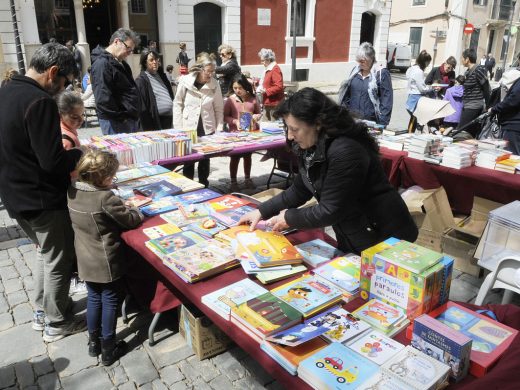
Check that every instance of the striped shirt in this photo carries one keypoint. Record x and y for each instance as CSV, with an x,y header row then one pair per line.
x,y
476,87
162,97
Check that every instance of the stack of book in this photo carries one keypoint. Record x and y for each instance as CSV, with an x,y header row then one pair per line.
x,y
457,157
394,142
271,128
389,131
344,273
423,145
510,165
382,316
487,158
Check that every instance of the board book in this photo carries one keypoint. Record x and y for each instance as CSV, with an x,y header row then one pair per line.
x,y
376,347
316,251
411,257
343,271
380,315
158,190
163,230
346,327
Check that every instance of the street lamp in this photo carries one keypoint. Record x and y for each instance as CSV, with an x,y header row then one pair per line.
x,y
18,45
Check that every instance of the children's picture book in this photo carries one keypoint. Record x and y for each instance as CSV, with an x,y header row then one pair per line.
x,y
268,248
345,327
207,227
158,190
138,200
197,196
227,202
176,217
489,338
181,181
417,369
230,234
230,217
442,343
163,230
136,173
309,329
245,120
384,381
308,294
221,301
195,211
169,244
379,314
265,314
376,347
169,203
336,367
343,272
274,276
412,257
250,267
316,251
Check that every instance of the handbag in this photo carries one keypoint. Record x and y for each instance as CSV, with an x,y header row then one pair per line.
x,y
490,128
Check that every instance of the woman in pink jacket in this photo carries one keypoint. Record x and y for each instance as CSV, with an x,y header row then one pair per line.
x,y
271,84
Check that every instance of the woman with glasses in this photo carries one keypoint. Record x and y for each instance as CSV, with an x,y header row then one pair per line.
x,y
271,85
156,93
198,104
228,69
338,164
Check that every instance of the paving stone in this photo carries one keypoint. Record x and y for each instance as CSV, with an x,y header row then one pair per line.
x,y
257,371
2,289
17,297
26,248
49,382
12,285
224,360
73,352
20,343
139,367
6,321
7,377
189,371
117,374
206,368
28,283
88,379
5,261
169,351
127,386
4,306
14,253
234,372
180,386
146,386
171,374
3,256
463,291
157,384
8,272
249,383
23,270
24,374
41,365
473,280
200,384
33,387
220,382
23,313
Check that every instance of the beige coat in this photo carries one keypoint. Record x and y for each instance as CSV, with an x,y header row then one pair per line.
x,y
98,218
190,103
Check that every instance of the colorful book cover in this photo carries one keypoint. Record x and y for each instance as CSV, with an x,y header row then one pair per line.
x,y
136,173
274,276
268,248
266,314
207,227
308,294
336,367
227,202
221,301
245,120
163,230
367,264
169,244
230,234
316,252
230,217
138,200
195,211
342,271
417,369
181,181
197,196
412,257
158,189
345,327
169,203
384,381
250,267
309,329
442,343
379,314
176,217
376,347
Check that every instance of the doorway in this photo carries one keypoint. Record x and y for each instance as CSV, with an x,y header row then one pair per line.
x,y
368,27
207,18
100,23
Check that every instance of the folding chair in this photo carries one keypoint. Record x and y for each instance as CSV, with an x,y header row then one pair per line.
x,y
285,165
506,276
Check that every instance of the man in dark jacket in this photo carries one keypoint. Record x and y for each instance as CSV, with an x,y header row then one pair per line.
x,y
35,173
490,65
117,99
508,111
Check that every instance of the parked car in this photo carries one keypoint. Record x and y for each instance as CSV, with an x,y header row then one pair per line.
x,y
398,56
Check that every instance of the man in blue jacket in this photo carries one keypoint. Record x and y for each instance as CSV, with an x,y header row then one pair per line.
x,y
508,111
117,99
34,176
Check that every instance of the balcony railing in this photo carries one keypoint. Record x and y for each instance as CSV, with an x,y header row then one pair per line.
x,y
501,9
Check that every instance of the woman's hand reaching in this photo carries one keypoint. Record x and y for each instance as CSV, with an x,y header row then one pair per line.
x,y
252,218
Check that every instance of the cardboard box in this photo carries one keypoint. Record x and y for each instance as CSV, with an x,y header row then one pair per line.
x,y
204,337
461,246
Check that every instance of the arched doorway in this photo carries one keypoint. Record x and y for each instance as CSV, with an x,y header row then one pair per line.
x,y
368,27
208,27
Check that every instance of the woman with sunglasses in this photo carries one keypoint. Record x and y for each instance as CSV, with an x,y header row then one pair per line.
x,y
229,68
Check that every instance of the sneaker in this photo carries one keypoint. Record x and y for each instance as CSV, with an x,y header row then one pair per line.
x,y
234,187
55,333
38,321
77,286
250,184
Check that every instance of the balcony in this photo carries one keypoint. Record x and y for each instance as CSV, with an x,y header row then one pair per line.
x,y
501,10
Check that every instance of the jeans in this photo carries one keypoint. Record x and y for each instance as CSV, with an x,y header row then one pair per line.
x,y
109,127
51,231
102,303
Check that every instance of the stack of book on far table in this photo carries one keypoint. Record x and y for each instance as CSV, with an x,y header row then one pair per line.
x,y
510,165
487,158
423,145
457,157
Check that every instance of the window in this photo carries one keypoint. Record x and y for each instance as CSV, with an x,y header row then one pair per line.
x,y
473,43
61,4
418,2
490,41
480,2
505,44
298,11
415,40
138,6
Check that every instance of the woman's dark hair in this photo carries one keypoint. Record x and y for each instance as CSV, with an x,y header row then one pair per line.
x,y
423,59
169,68
144,57
242,81
460,79
470,54
315,108
451,61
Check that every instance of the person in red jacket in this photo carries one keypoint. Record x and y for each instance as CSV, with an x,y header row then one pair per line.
x,y
271,84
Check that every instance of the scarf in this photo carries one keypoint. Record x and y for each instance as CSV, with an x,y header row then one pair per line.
x,y
444,75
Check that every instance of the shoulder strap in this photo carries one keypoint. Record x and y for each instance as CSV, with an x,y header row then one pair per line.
x,y
68,138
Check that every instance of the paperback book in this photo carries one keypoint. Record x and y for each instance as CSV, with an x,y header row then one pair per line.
x,y
136,173
169,203
250,267
166,245
138,200
384,381
345,328
412,257
343,271
316,252
158,190
206,227
163,230
376,347
274,276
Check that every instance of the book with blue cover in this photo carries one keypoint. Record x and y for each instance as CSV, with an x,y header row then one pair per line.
x,y
336,367
136,173
158,190
169,203
168,244
317,251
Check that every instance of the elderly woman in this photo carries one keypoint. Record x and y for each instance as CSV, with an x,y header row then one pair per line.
x,y
271,84
339,165
198,104
228,69
155,92
416,86
367,92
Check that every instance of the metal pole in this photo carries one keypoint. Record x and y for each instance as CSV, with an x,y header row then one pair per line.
x,y
293,49
19,54
511,13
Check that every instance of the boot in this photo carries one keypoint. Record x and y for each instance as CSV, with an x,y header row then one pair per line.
x,y
94,344
112,351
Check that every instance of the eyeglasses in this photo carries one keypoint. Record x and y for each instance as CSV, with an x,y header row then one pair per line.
x,y
68,81
223,54
128,48
114,180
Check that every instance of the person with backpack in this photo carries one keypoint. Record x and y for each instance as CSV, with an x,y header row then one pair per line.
x,y
367,92
182,59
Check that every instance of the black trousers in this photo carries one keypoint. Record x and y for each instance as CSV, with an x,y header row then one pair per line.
x,y
467,115
203,171
166,121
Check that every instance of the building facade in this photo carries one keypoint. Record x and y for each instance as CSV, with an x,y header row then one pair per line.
x,y
328,32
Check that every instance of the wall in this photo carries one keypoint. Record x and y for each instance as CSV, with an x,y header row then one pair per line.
x,y
332,31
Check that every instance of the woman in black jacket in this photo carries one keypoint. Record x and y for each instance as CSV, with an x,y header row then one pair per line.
x,y
229,68
156,93
339,165
508,111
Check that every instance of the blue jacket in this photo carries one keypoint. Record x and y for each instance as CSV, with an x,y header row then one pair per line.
x,y
508,110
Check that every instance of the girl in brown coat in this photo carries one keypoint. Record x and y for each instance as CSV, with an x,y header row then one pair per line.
x,y
98,218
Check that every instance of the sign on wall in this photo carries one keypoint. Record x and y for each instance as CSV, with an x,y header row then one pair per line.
x,y
264,16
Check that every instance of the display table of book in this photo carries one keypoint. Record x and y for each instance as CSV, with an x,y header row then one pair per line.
x,y
461,185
